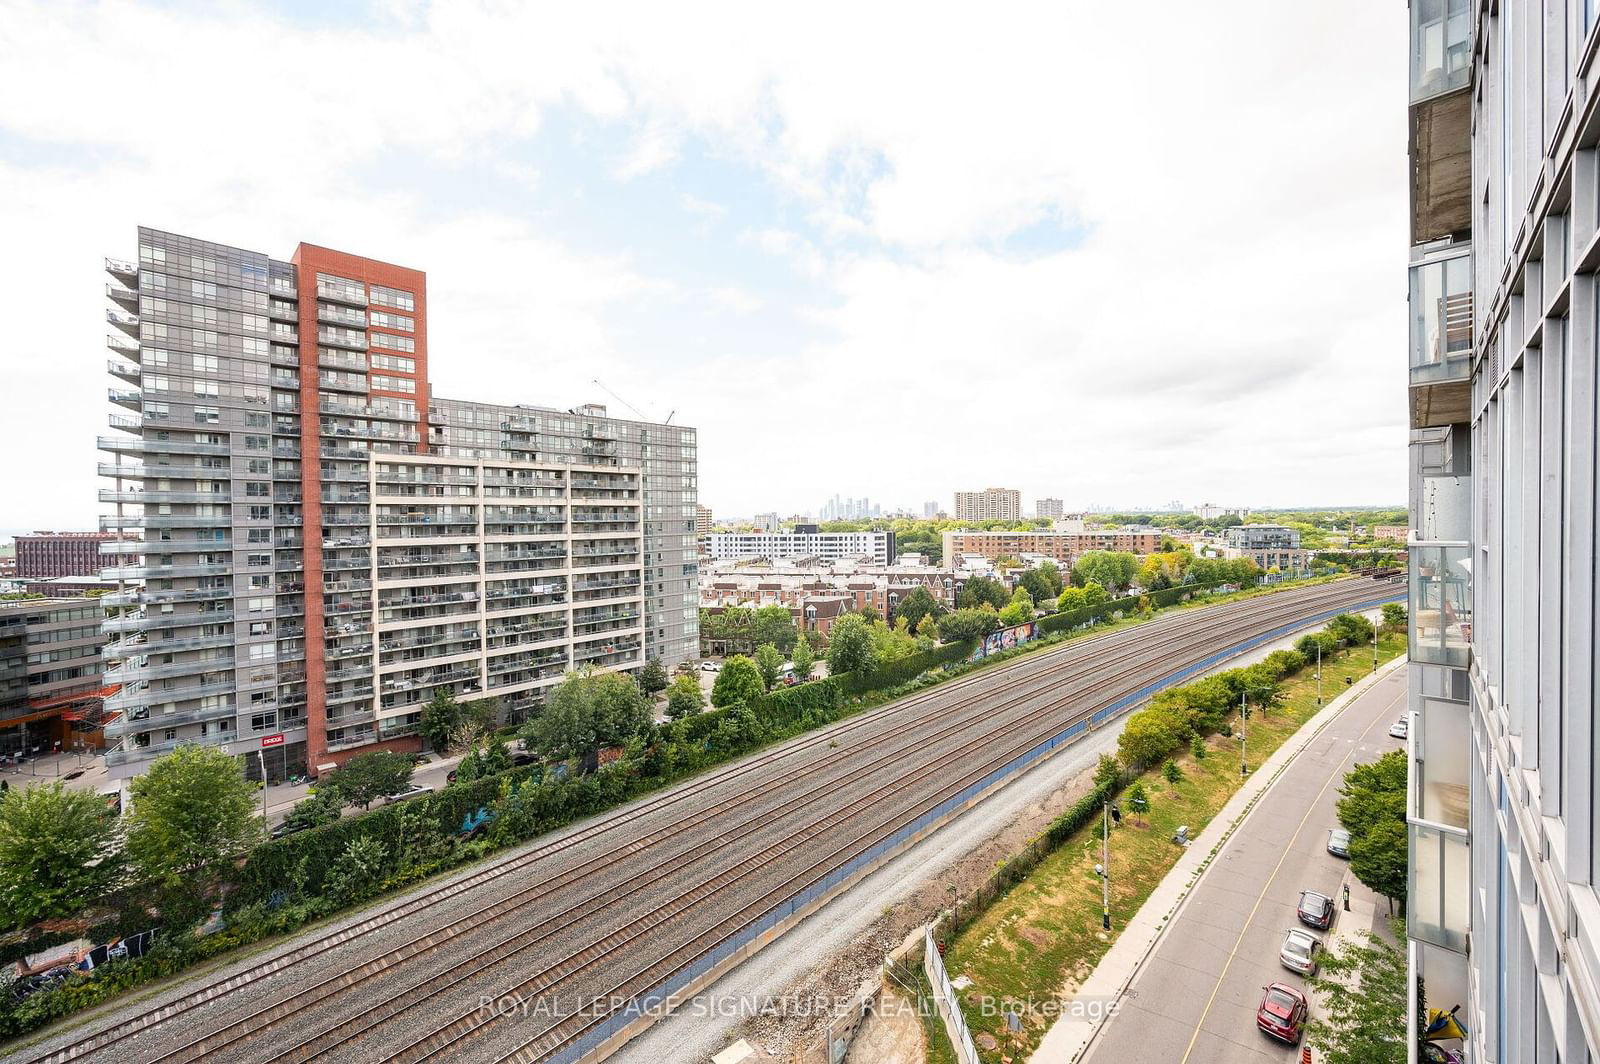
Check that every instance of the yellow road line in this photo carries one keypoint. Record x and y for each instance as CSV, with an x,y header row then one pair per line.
x,y
1284,856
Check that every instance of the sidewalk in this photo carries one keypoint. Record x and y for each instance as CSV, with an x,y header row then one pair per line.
x,y
1071,1034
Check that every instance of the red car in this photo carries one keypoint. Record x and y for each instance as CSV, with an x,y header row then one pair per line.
x,y
1282,1013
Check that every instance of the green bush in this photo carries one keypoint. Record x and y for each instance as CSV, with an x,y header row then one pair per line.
x,y
1197,747
1171,771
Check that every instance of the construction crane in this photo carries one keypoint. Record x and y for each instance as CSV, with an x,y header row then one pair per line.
x,y
642,415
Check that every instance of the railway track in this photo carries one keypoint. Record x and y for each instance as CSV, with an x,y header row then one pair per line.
x,y
941,715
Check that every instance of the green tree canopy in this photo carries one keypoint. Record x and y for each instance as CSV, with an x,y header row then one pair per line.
x,y
917,604
774,624
739,681
1353,628
589,710
968,624
1361,986
849,645
1146,738
1372,807
769,662
1111,569
684,698
653,677
1019,610
190,807
979,590
367,777
803,657
56,852
441,717
1094,594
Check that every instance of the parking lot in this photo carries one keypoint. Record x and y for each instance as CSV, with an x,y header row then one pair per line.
x,y
1195,997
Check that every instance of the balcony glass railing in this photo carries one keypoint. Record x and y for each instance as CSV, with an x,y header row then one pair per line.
x,y
1441,47
1441,320
1440,602
1440,872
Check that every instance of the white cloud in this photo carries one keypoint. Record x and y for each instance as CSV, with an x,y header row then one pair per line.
x,y
1230,326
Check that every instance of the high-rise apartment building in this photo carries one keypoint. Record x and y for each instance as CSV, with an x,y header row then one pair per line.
x,y
990,504
702,520
1049,509
1503,913
51,691
317,544
45,555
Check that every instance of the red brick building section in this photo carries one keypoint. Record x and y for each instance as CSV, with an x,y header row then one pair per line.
x,y
43,555
310,260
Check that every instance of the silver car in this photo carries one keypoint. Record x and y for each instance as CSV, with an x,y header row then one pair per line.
x,y
1339,842
1299,952
1400,728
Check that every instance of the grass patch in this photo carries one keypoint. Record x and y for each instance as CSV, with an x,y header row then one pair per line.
x,y
1041,939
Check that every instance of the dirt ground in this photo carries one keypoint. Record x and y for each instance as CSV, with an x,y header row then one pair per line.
x,y
890,1035
796,1038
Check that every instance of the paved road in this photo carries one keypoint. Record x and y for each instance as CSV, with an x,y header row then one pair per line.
x,y
1195,999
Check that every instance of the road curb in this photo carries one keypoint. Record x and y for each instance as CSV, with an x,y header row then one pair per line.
x,y
1161,909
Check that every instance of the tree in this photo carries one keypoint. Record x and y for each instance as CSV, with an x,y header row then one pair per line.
x,y
357,871
1020,609
1071,598
589,710
979,590
803,657
1095,594
441,717
653,677
190,808
1372,807
1394,616
1146,739
56,848
769,662
739,681
968,624
367,777
774,624
917,605
320,807
684,698
1362,987
1039,586
1111,569
849,646
1352,628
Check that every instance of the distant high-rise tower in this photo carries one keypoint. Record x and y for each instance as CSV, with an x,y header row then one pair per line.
x,y
990,504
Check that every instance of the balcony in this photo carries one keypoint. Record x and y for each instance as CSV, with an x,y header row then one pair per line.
x,y
122,268
128,297
131,400
1440,872
123,346
1440,142
1441,47
1440,601
131,725
1441,342
341,315
124,445
128,323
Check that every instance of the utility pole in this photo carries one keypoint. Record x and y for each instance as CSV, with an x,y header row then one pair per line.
x,y
1105,867
1244,715
1319,672
261,756
1374,648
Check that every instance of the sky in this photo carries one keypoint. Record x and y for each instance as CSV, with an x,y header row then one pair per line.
x,y
1111,253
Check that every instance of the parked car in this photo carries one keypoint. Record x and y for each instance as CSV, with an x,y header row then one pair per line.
x,y
1400,728
1282,1013
409,792
1299,951
289,827
420,759
1316,909
710,666
1339,842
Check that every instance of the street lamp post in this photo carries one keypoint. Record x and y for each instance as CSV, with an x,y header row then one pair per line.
x,y
261,756
1374,648
1105,867
1319,672
1244,715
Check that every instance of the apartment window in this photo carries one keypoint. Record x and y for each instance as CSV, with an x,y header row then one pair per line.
x,y
260,605
393,321
393,343
383,383
260,561
263,722
393,297
260,513
340,287
207,415
395,362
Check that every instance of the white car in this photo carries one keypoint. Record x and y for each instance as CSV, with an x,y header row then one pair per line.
x,y
1299,952
1400,728
410,792
710,666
